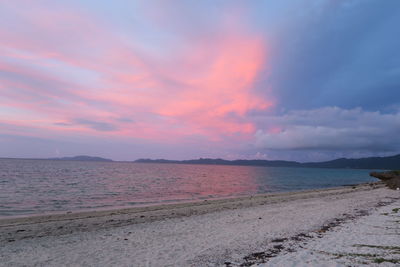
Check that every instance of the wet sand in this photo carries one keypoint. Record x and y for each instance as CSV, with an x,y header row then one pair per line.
x,y
206,233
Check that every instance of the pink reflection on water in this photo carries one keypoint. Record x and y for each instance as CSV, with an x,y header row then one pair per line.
x,y
37,186
147,183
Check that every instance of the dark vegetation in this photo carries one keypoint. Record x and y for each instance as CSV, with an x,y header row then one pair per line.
x,y
385,163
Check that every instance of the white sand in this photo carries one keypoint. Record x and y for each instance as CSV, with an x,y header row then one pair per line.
x,y
360,242
195,234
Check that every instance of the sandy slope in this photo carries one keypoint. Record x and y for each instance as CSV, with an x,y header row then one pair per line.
x,y
198,234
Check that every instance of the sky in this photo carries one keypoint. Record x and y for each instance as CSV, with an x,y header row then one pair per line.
x,y
305,80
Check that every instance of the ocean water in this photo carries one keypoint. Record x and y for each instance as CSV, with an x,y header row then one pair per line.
x,y
46,186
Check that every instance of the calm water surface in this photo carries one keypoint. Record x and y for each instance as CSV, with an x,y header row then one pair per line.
x,y
40,186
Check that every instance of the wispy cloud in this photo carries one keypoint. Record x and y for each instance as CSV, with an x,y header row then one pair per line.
x,y
331,128
203,75
190,91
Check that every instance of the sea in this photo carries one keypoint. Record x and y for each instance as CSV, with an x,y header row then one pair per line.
x,y
33,187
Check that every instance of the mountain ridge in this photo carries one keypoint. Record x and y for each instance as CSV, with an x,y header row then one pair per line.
x,y
389,162
82,158
384,163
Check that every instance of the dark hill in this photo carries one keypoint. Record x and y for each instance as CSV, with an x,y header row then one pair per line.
x,y
392,162
82,158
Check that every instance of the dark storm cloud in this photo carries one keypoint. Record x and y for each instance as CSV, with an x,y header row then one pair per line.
x,y
332,129
345,55
335,75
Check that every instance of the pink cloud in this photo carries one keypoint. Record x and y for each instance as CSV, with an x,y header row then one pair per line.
x,y
202,88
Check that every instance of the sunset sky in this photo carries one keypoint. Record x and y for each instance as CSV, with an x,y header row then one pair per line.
x,y
297,80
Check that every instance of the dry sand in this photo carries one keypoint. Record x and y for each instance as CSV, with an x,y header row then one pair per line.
x,y
372,240
232,232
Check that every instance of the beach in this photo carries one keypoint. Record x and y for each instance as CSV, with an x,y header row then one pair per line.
x,y
245,231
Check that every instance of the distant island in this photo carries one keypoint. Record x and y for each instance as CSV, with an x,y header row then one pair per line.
x,y
386,163
383,163
81,158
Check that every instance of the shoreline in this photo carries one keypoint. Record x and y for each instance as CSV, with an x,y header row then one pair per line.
x,y
256,199
151,213
166,203
205,233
